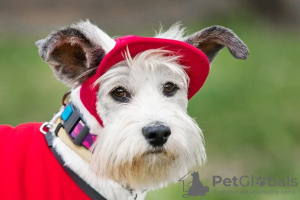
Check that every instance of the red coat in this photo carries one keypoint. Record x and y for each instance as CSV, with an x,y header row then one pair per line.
x,y
28,168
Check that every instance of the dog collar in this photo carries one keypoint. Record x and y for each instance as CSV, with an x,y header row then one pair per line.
x,y
194,59
68,139
70,127
75,127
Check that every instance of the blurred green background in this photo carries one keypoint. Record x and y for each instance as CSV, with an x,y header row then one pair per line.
x,y
248,110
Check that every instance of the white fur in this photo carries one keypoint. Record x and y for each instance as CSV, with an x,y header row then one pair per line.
x,y
121,155
96,35
175,32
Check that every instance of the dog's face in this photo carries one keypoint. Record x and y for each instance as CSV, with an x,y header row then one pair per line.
x,y
148,139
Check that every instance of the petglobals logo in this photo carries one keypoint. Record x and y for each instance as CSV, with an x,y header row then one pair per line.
x,y
246,181
237,185
192,186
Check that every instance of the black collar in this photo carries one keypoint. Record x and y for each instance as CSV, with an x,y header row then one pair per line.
x,y
49,136
86,188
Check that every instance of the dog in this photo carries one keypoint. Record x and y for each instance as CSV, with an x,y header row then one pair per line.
x,y
197,187
125,129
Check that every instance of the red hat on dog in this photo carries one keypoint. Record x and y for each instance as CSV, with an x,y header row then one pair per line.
x,y
194,59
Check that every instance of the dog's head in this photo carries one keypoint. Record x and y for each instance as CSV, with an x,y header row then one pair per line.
x,y
147,139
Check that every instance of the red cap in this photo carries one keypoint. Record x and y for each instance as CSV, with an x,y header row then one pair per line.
x,y
193,58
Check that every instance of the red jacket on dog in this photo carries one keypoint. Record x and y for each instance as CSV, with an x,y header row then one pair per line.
x,y
28,168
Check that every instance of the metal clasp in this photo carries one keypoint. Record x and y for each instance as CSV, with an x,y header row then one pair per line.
x,y
47,125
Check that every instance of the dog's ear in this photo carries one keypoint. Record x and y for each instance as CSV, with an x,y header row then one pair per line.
x,y
212,39
74,52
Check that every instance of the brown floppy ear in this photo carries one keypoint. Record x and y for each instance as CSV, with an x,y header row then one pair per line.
x,y
212,39
74,52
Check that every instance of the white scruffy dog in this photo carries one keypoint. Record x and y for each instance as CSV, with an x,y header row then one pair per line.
x,y
145,138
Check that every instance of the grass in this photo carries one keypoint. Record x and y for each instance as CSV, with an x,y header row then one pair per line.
x,y
248,110
28,89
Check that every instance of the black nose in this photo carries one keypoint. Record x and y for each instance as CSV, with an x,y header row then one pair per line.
x,y
156,135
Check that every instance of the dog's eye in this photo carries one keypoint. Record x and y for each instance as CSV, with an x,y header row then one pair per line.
x,y
120,94
169,89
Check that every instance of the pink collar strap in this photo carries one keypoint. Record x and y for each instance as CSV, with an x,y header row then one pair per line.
x,y
193,58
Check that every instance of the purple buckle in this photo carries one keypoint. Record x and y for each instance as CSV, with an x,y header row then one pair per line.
x,y
76,128
82,136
